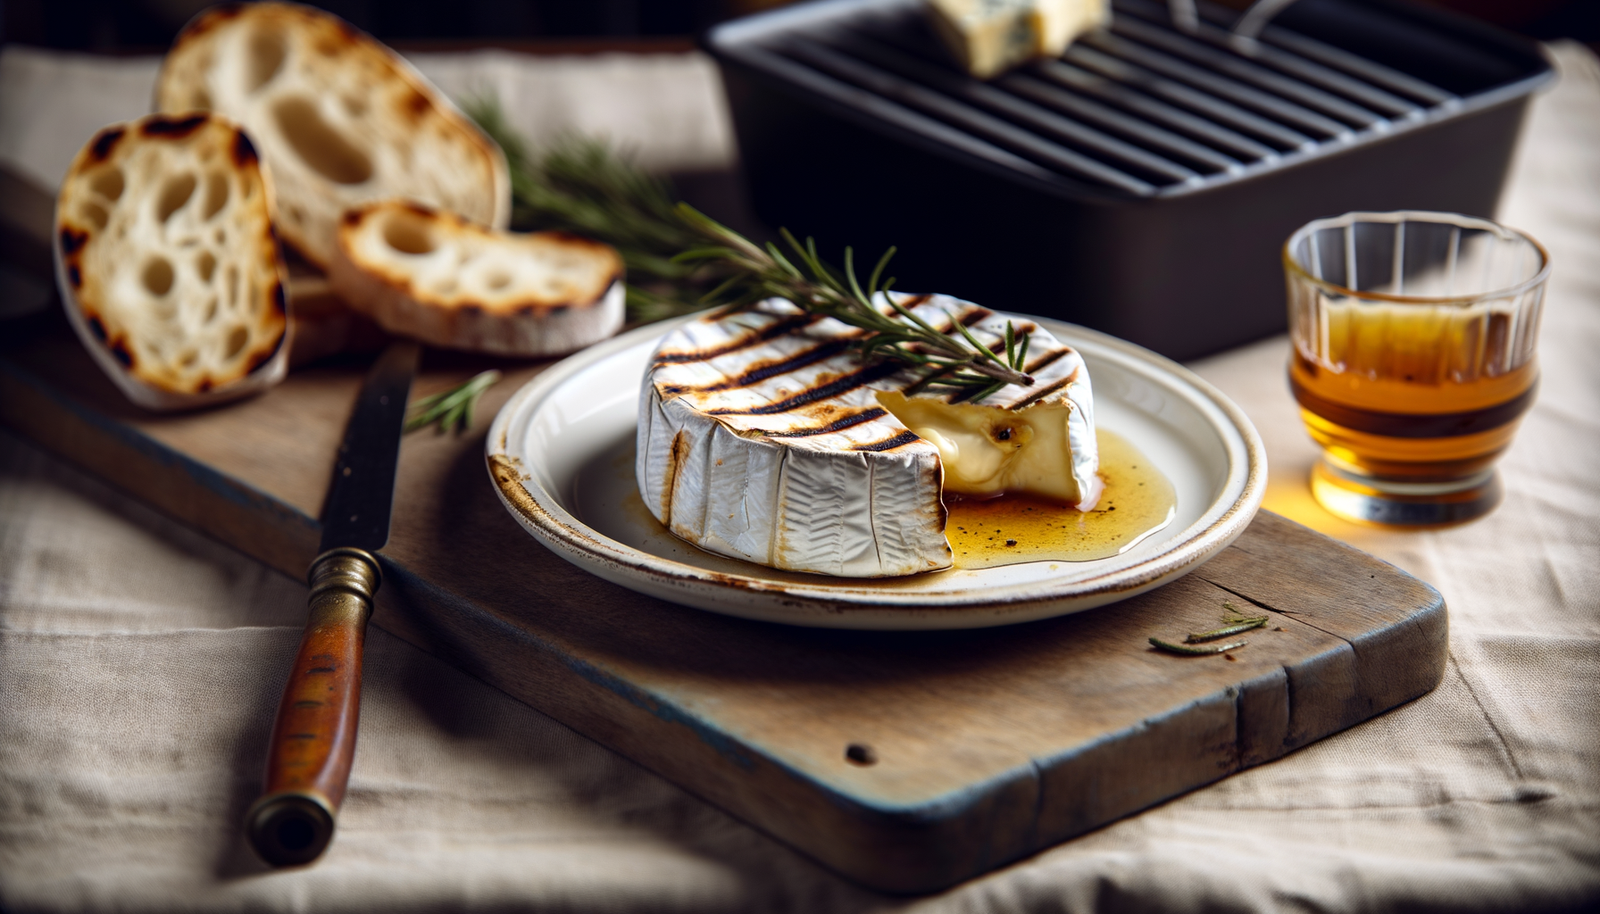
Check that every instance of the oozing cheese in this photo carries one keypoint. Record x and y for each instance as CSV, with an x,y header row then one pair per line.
x,y
988,451
991,36
764,436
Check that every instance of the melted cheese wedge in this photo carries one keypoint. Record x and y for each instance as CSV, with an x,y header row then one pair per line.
x,y
988,451
764,436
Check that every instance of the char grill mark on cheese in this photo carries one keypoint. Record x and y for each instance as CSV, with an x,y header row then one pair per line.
x,y
1045,391
960,395
849,382
792,459
888,444
838,425
769,332
785,327
1047,358
761,371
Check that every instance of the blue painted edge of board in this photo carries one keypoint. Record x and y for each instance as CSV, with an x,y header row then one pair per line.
x,y
233,490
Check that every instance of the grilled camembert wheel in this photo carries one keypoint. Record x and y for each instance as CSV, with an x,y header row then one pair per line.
x,y
765,437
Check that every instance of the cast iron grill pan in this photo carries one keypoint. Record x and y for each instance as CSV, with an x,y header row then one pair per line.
x,y
1106,186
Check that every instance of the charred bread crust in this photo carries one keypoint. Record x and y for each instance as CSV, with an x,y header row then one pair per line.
x,y
340,118
440,278
168,266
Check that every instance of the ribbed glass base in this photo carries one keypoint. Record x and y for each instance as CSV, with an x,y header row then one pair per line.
x,y
1396,503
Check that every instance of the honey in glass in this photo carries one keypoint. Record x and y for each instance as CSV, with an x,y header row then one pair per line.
x,y
1414,381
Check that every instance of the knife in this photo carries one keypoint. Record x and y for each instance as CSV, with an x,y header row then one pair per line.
x,y
314,736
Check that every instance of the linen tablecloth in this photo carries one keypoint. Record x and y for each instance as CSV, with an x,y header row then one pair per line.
x,y
140,662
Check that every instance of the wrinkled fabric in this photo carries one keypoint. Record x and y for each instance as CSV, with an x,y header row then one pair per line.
x,y
140,663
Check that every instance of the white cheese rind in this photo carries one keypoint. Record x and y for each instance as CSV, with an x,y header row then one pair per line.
x,y
761,438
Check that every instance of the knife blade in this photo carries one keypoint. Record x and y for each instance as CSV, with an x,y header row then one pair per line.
x,y
314,735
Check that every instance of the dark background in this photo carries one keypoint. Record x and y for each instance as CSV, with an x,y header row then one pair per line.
x,y
147,26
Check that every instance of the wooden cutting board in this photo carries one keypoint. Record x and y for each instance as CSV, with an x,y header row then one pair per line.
x,y
982,746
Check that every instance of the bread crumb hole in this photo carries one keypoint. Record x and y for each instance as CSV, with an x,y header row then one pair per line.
x,y
237,337
211,312
221,236
200,99
174,194
206,265
95,213
108,183
233,287
408,235
447,287
189,358
355,106
157,276
216,194
499,279
266,53
318,144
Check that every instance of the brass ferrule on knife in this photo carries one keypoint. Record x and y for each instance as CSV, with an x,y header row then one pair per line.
x,y
343,583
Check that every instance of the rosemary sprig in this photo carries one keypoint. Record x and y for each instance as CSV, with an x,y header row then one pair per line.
x,y
1234,622
1242,625
1191,651
680,260
451,409
580,185
802,277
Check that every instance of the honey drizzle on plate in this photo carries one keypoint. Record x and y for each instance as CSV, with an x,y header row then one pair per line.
x,y
1012,529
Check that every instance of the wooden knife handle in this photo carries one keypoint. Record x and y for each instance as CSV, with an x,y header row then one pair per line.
x,y
314,738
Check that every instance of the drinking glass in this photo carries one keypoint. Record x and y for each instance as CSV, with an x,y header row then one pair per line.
x,y
1413,359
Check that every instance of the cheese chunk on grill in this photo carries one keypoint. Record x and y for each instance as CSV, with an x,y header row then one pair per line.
x,y
764,437
992,36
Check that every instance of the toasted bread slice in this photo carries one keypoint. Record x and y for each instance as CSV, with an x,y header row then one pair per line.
x,y
339,118
437,277
167,263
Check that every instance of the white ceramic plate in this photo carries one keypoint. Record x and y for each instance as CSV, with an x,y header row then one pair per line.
x,y
561,456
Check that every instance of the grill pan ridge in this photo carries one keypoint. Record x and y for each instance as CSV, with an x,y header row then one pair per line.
x,y
1141,184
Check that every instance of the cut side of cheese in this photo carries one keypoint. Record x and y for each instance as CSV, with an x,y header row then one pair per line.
x,y
764,437
992,36
989,450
